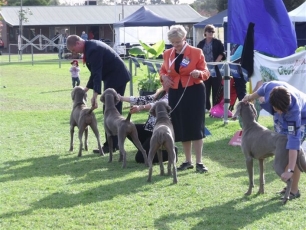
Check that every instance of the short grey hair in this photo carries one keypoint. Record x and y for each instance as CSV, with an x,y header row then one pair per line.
x,y
177,31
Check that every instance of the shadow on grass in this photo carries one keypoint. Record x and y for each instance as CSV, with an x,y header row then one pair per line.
x,y
56,91
83,170
72,165
238,217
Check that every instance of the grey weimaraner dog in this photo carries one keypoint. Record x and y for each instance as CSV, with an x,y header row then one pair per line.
x,y
116,124
258,142
163,136
82,117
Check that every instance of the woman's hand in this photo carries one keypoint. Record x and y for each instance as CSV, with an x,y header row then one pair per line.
x,y
246,98
195,73
134,109
250,97
167,81
286,176
119,96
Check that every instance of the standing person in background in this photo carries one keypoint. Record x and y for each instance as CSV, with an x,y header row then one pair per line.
x,y
288,107
62,42
84,36
104,65
56,41
240,83
1,46
183,72
75,73
213,50
90,35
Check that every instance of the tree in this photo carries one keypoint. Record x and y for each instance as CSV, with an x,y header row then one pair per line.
x,y
28,2
2,3
221,5
292,4
211,7
205,7
54,3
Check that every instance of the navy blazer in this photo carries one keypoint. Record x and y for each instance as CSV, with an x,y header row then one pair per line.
x,y
217,48
104,65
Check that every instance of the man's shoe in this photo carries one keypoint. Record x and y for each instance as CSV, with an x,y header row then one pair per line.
x,y
185,165
96,151
105,149
201,168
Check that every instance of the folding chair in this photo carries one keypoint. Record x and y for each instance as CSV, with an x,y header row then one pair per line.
x,y
137,64
151,68
158,66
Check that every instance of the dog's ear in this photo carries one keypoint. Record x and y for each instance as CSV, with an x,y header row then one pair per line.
x,y
238,109
152,111
116,98
102,98
85,96
168,108
72,94
254,110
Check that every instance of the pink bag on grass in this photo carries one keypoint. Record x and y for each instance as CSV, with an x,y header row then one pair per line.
x,y
217,111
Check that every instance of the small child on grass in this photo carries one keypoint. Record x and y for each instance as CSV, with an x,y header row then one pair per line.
x,y
75,73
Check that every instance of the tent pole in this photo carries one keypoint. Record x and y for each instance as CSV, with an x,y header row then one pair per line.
x,y
194,38
226,88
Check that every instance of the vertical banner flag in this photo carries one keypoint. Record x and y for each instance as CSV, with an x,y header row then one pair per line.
x,y
274,33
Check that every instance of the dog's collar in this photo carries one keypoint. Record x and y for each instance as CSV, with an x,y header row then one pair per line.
x,y
78,104
164,112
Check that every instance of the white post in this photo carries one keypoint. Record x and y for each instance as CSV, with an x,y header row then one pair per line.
x,y
226,87
122,9
20,31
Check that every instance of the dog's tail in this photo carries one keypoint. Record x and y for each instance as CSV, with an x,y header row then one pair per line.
x,y
90,111
128,118
89,115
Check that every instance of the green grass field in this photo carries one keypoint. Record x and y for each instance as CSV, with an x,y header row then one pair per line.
x,y
44,186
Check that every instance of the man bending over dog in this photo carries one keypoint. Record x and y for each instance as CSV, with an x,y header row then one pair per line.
x,y
104,65
288,107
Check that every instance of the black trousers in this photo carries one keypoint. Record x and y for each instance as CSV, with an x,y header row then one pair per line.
x,y
145,138
212,85
121,91
240,85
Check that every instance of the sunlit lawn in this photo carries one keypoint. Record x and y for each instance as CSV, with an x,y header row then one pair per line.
x,y
44,186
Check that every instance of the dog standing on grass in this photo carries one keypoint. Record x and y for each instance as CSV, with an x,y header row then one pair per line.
x,y
162,137
258,142
116,124
82,117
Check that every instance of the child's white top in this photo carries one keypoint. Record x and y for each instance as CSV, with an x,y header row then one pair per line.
x,y
75,71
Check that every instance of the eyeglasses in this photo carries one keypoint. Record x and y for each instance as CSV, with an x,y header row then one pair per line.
x,y
210,31
176,41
